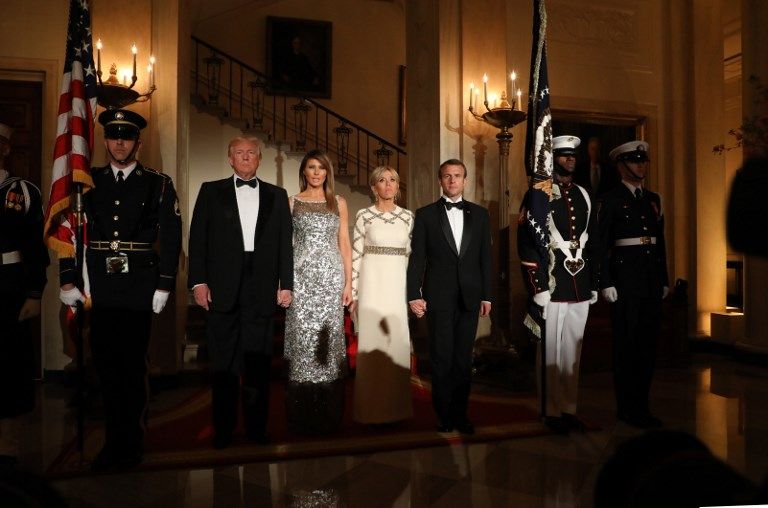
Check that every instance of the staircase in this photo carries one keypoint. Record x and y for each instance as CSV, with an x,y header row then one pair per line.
x,y
241,97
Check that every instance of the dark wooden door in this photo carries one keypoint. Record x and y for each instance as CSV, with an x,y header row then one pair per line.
x,y
21,107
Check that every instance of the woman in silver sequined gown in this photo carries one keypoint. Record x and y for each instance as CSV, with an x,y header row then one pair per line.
x,y
315,345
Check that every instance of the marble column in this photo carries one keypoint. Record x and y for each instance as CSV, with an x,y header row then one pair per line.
x,y
754,48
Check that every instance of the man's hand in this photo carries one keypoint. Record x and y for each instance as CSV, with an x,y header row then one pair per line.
x,y
159,299
485,308
70,295
202,295
418,307
30,309
284,298
610,294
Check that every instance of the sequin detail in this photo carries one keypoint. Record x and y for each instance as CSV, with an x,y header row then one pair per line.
x,y
314,331
387,251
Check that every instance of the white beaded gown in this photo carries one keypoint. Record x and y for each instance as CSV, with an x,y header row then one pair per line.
x,y
380,249
315,345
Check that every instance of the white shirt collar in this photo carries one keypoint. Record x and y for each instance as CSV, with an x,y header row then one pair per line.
x,y
460,198
126,171
235,178
632,187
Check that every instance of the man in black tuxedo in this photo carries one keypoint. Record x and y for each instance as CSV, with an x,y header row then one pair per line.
x,y
594,174
134,240
449,280
240,269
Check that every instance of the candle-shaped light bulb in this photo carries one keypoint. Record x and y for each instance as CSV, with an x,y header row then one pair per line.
x,y
519,96
98,55
485,87
152,64
134,50
471,93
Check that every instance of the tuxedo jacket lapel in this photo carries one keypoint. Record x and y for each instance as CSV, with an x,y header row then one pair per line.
x,y
466,235
446,226
266,200
228,203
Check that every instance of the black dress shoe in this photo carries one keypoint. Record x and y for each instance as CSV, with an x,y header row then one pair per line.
x,y
466,428
573,422
444,427
221,441
557,425
259,438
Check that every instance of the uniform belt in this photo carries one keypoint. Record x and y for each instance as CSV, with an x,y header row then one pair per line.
x,y
117,245
390,251
572,244
639,240
12,257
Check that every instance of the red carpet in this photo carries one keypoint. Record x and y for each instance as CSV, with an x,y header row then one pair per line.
x,y
181,437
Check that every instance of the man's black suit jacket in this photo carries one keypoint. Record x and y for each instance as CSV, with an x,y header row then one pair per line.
x,y
216,245
441,274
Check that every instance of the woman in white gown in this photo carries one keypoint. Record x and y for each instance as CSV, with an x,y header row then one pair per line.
x,y
381,245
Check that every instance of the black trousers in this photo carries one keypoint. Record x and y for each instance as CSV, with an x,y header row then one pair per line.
x,y
240,342
636,327
451,340
119,342
17,385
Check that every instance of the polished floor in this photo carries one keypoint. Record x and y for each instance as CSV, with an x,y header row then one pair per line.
x,y
720,400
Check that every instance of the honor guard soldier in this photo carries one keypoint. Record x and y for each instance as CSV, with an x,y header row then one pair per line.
x,y
134,240
634,280
23,260
565,289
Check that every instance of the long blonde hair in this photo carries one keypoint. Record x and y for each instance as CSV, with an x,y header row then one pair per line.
x,y
325,162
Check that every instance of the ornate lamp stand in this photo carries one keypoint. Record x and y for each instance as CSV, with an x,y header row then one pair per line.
x,y
504,117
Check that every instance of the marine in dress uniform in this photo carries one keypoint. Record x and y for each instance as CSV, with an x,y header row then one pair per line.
x,y
23,260
634,280
564,285
134,240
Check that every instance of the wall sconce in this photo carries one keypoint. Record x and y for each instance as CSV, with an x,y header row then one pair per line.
x,y
213,72
342,146
112,94
300,110
382,155
258,88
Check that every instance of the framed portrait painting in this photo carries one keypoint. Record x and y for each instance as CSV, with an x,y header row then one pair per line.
x,y
299,57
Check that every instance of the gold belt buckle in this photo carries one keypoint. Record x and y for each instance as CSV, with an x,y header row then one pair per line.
x,y
114,245
645,240
575,244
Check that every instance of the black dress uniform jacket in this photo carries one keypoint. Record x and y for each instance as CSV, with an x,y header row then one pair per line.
x,y
569,214
639,270
144,209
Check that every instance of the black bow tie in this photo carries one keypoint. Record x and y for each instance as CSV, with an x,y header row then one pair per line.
x,y
451,204
250,183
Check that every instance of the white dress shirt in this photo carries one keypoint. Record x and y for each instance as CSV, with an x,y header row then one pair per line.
x,y
126,171
248,208
456,220
632,187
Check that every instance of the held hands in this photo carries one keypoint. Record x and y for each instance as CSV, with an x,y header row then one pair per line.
x,y
202,295
418,307
70,295
30,309
593,300
352,307
610,294
159,299
284,298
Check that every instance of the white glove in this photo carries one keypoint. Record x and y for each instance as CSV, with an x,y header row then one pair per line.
x,y
159,300
593,300
664,292
610,294
542,300
71,296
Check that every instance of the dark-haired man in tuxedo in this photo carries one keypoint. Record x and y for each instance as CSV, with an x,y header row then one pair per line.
x,y
449,281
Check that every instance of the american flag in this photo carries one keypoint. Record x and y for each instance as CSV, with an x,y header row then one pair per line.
x,y
74,131
538,142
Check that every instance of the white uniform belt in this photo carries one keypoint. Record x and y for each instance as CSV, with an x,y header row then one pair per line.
x,y
639,240
10,258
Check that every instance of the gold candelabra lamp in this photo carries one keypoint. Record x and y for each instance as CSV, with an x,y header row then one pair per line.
x,y
112,94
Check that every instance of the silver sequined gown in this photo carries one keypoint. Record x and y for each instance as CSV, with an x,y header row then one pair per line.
x,y
314,329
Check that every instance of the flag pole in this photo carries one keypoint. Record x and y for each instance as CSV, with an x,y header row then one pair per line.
x,y
79,210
